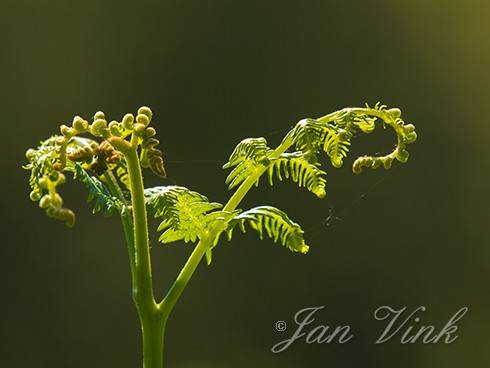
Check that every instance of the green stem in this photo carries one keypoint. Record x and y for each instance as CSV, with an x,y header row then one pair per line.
x,y
149,312
143,292
152,323
153,331
185,275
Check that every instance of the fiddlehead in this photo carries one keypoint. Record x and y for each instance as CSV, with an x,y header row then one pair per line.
x,y
85,150
333,133
150,156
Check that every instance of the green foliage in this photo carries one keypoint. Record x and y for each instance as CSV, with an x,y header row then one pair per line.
x,y
187,215
252,156
337,142
331,134
302,168
272,222
98,193
314,136
46,176
41,163
248,156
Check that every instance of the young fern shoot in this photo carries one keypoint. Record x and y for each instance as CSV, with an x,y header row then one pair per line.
x,y
108,159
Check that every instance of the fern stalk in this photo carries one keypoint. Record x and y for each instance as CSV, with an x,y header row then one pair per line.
x,y
188,215
152,323
176,290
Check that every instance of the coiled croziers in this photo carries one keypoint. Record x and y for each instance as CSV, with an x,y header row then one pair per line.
x,y
87,146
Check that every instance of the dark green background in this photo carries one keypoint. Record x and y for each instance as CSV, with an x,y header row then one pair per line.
x,y
215,72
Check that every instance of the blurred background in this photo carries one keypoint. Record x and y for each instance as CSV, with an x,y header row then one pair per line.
x,y
215,72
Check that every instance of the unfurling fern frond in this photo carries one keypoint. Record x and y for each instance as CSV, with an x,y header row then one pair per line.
x,y
249,155
405,135
302,168
41,162
272,222
72,151
333,134
67,153
188,215
46,177
103,201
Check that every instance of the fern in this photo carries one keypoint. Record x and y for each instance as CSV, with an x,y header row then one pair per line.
x,y
307,135
272,222
45,177
301,168
73,152
314,136
117,151
336,144
253,155
122,175
333,133
255,149
364,122
187,215
98,193
41,162
248,156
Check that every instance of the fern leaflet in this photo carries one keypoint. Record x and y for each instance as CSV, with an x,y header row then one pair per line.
x,y
272,222
98,193
336,144
187,215
247,156
302,169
